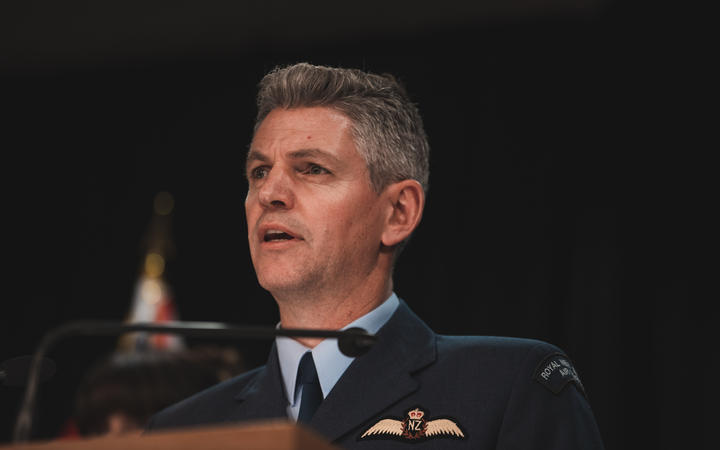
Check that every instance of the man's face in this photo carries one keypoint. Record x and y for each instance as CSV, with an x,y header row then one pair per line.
x,y
314,221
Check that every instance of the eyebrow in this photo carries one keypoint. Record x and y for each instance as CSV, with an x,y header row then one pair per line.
x,y
255,155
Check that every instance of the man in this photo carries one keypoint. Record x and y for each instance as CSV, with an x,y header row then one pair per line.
x,y
337,172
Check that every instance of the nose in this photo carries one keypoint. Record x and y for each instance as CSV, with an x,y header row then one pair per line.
x,y
275,191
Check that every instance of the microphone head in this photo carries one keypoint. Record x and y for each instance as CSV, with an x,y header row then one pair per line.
x,y
15,371
355,342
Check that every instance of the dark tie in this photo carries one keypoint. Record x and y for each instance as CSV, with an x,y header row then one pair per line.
x,y
311,393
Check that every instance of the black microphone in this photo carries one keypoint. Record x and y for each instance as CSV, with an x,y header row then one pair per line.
x,y
351,342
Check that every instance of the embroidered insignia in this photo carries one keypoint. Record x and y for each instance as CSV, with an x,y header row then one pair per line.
x,y
414,428
556,371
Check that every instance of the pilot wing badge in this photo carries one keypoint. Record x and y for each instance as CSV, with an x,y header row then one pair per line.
x,y
414,427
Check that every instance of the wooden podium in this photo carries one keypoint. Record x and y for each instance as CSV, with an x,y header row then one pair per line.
x,y
276,435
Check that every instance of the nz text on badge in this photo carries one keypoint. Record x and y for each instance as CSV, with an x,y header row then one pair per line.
x,y
415,427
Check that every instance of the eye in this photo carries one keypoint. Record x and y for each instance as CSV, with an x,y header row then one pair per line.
x,y
258,172
314,169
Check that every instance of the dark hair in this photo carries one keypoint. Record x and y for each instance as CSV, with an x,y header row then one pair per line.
x,y
138,384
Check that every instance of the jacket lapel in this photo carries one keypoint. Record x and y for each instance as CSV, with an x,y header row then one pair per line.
x,y
380,378
263,398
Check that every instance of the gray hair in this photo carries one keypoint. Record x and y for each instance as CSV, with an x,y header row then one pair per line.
x,y
386,125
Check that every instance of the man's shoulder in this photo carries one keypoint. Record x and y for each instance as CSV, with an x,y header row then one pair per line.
x,y
508,358
496,352
205,406
495,356
494,345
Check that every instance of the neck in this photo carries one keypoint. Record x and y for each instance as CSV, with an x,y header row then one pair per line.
x,y
331,310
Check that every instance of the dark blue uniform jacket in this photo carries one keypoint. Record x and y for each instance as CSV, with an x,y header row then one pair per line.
x,y
415,389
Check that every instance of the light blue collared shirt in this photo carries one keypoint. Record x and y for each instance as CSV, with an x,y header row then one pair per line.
x,y
330,363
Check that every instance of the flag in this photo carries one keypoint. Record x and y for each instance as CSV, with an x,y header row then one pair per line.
x,y
152,300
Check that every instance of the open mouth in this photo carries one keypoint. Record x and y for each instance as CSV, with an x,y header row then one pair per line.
x,y
276,235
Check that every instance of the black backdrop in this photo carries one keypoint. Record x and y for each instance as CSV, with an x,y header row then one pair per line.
x,y
560,205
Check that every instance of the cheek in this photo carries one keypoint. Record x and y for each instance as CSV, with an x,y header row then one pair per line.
x,y
359,223
249,200
251,213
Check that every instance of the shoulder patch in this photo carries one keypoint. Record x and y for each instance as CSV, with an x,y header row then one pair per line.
x,y
555,372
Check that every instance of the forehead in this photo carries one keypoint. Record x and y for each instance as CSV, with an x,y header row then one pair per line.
x,y
314,126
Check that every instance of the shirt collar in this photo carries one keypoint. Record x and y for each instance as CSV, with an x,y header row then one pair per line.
x,y
329,361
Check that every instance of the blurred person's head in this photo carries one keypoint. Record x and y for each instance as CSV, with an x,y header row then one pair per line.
x,y
121,393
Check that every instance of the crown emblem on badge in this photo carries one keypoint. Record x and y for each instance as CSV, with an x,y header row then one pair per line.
x,y
414,427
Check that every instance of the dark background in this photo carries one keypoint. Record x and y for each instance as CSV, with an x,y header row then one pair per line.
x,y
565,186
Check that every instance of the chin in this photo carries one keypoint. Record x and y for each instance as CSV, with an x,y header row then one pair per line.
x,y
281,282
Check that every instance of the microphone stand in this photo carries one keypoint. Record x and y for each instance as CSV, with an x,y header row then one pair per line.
x,y
352,342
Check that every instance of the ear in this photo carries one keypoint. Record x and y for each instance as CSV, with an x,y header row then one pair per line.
x,y
407,200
